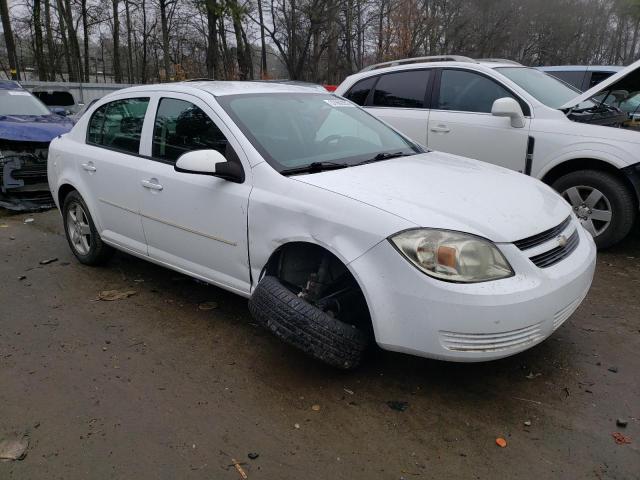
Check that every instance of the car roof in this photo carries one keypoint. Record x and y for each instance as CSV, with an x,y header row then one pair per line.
x,y
581,68
10,85
222,88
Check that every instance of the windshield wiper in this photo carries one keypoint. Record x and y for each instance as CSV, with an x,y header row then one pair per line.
x,y
385,156
314,167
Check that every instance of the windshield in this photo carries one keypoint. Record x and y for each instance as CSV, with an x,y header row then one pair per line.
x,y
545,88
20,102
295,130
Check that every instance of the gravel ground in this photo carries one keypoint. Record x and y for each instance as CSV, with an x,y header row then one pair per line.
x,y
156,387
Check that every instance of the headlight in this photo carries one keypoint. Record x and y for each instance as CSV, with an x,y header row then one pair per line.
x,y
452,256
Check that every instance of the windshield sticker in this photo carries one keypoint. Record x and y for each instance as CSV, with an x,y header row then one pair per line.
x,y
18,93
338,102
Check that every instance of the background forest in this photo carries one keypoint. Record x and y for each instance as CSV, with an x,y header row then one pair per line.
x,y
144,41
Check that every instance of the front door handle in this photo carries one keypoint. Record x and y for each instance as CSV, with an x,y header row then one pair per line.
x,y
151,184
89,167
440,129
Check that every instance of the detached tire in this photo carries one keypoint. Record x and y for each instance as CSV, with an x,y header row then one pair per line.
x,y
305,326
614,196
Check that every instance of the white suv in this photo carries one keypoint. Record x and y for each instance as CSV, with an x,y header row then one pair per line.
x,y
520,118
338,228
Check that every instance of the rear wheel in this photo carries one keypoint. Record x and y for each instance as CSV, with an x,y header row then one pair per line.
x,y
83,238
602,202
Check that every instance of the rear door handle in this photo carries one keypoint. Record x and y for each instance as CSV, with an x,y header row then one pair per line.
x,y
440,129
89,167
152,184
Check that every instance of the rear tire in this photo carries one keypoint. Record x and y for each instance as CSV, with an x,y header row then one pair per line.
x,y
611,217
81,232
306,327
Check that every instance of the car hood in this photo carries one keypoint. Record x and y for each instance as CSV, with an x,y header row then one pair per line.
x,y
33,128
439,190
626,79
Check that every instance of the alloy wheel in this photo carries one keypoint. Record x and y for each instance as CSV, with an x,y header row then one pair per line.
x,y
591,206
78,229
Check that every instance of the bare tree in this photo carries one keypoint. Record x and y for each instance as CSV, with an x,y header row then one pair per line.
x,y
9,42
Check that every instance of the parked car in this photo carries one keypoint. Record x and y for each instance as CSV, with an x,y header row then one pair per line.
x,y
585,77
26,128
517,117
74,117
60,100
338,228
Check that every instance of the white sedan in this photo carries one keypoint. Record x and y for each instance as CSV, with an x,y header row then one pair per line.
x,y
340,230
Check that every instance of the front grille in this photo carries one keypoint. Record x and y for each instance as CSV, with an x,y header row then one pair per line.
x,y
556,254
543,237
491,342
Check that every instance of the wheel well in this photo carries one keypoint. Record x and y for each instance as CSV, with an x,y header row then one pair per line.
x,y
315,274
63,191
577,164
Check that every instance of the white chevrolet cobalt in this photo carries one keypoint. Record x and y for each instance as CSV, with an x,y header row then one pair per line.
x,y
340,230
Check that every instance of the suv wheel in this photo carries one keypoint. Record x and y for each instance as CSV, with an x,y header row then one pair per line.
x,y
81,232
601,201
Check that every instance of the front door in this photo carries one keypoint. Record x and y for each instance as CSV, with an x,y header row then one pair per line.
x,y
195,223
461,123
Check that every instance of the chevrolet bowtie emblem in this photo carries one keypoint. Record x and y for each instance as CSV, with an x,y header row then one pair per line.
x,y
562,241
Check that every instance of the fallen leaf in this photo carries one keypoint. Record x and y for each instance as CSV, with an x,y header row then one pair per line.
x,y
111,295
501,442
315,408
14,447
48,261
620,438
208,306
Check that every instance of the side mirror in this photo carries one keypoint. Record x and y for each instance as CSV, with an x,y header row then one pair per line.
x,y
508,107
59,111
210,162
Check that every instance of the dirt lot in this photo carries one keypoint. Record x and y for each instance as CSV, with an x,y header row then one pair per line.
x,y
153,386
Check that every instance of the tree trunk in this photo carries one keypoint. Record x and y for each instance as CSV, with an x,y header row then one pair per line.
x,y
165,40
263,48
8,39
51,52
71,74
117,71
213,53
41,63
129,46
145,36
85,40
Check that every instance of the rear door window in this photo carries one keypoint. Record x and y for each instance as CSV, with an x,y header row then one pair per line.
x,y
465,91
117,125
402,89
182,127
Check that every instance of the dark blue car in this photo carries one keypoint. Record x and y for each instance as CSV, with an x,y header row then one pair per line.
x,y
27,127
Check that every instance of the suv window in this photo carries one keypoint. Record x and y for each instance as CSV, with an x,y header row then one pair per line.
x,y
402,89
572,78
597,77
118,124
182,127
468,92
359,92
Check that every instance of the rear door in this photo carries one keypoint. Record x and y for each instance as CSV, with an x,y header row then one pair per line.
x,y
399,98
109,163
461,122
196,223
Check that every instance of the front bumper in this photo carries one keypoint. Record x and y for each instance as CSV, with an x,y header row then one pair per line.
x,y
414,313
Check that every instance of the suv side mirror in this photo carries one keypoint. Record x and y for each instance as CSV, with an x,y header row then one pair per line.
x,y
508,107
210,162
59,111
